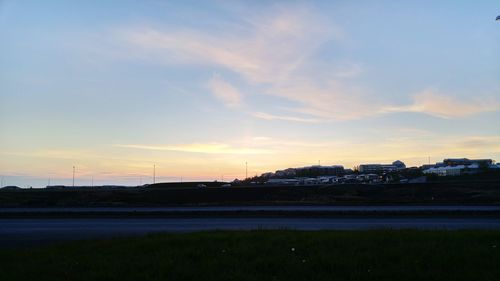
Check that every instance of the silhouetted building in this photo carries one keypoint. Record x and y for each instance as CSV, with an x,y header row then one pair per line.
x,y
467,162
381,168
317,170
309,171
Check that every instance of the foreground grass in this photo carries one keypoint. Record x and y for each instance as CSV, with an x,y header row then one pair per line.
x,y
265,255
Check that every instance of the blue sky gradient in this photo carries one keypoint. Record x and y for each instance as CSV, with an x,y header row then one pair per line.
x,y
200,87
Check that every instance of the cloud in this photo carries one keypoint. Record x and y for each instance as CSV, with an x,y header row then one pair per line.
x,y
209,148
225,92
261,138
349,71
68,154
265,49
277,52
326,100
267,116
480,142
436,104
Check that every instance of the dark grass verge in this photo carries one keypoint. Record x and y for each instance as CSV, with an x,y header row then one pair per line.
x,y
265,255
437,193
254,214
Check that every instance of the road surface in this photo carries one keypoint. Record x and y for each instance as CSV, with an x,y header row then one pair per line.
x,y
35,231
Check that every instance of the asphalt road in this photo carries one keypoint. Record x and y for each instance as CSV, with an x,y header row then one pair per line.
x,y
14,232
290,208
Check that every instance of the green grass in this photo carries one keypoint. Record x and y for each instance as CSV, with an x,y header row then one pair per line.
x,y
265,255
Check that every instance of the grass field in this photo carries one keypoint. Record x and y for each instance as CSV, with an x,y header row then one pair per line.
x,y
467,192
265,255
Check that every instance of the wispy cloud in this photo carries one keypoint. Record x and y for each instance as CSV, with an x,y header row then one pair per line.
x,y
266,49
274,51
267,116
349,71
326,100
437,104
480,143
225,92
68,154
277,53
261,138
210,148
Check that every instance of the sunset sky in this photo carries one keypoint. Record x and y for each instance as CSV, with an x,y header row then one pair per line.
x,y
198,88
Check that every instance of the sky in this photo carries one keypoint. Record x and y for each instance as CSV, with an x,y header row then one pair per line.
x,y
199,88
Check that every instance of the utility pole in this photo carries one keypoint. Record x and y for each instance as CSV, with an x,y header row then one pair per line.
x,y
92,181
48,183
73,176
154,173
246,170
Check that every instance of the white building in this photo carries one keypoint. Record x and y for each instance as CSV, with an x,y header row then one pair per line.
x,y
282,182
446,171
